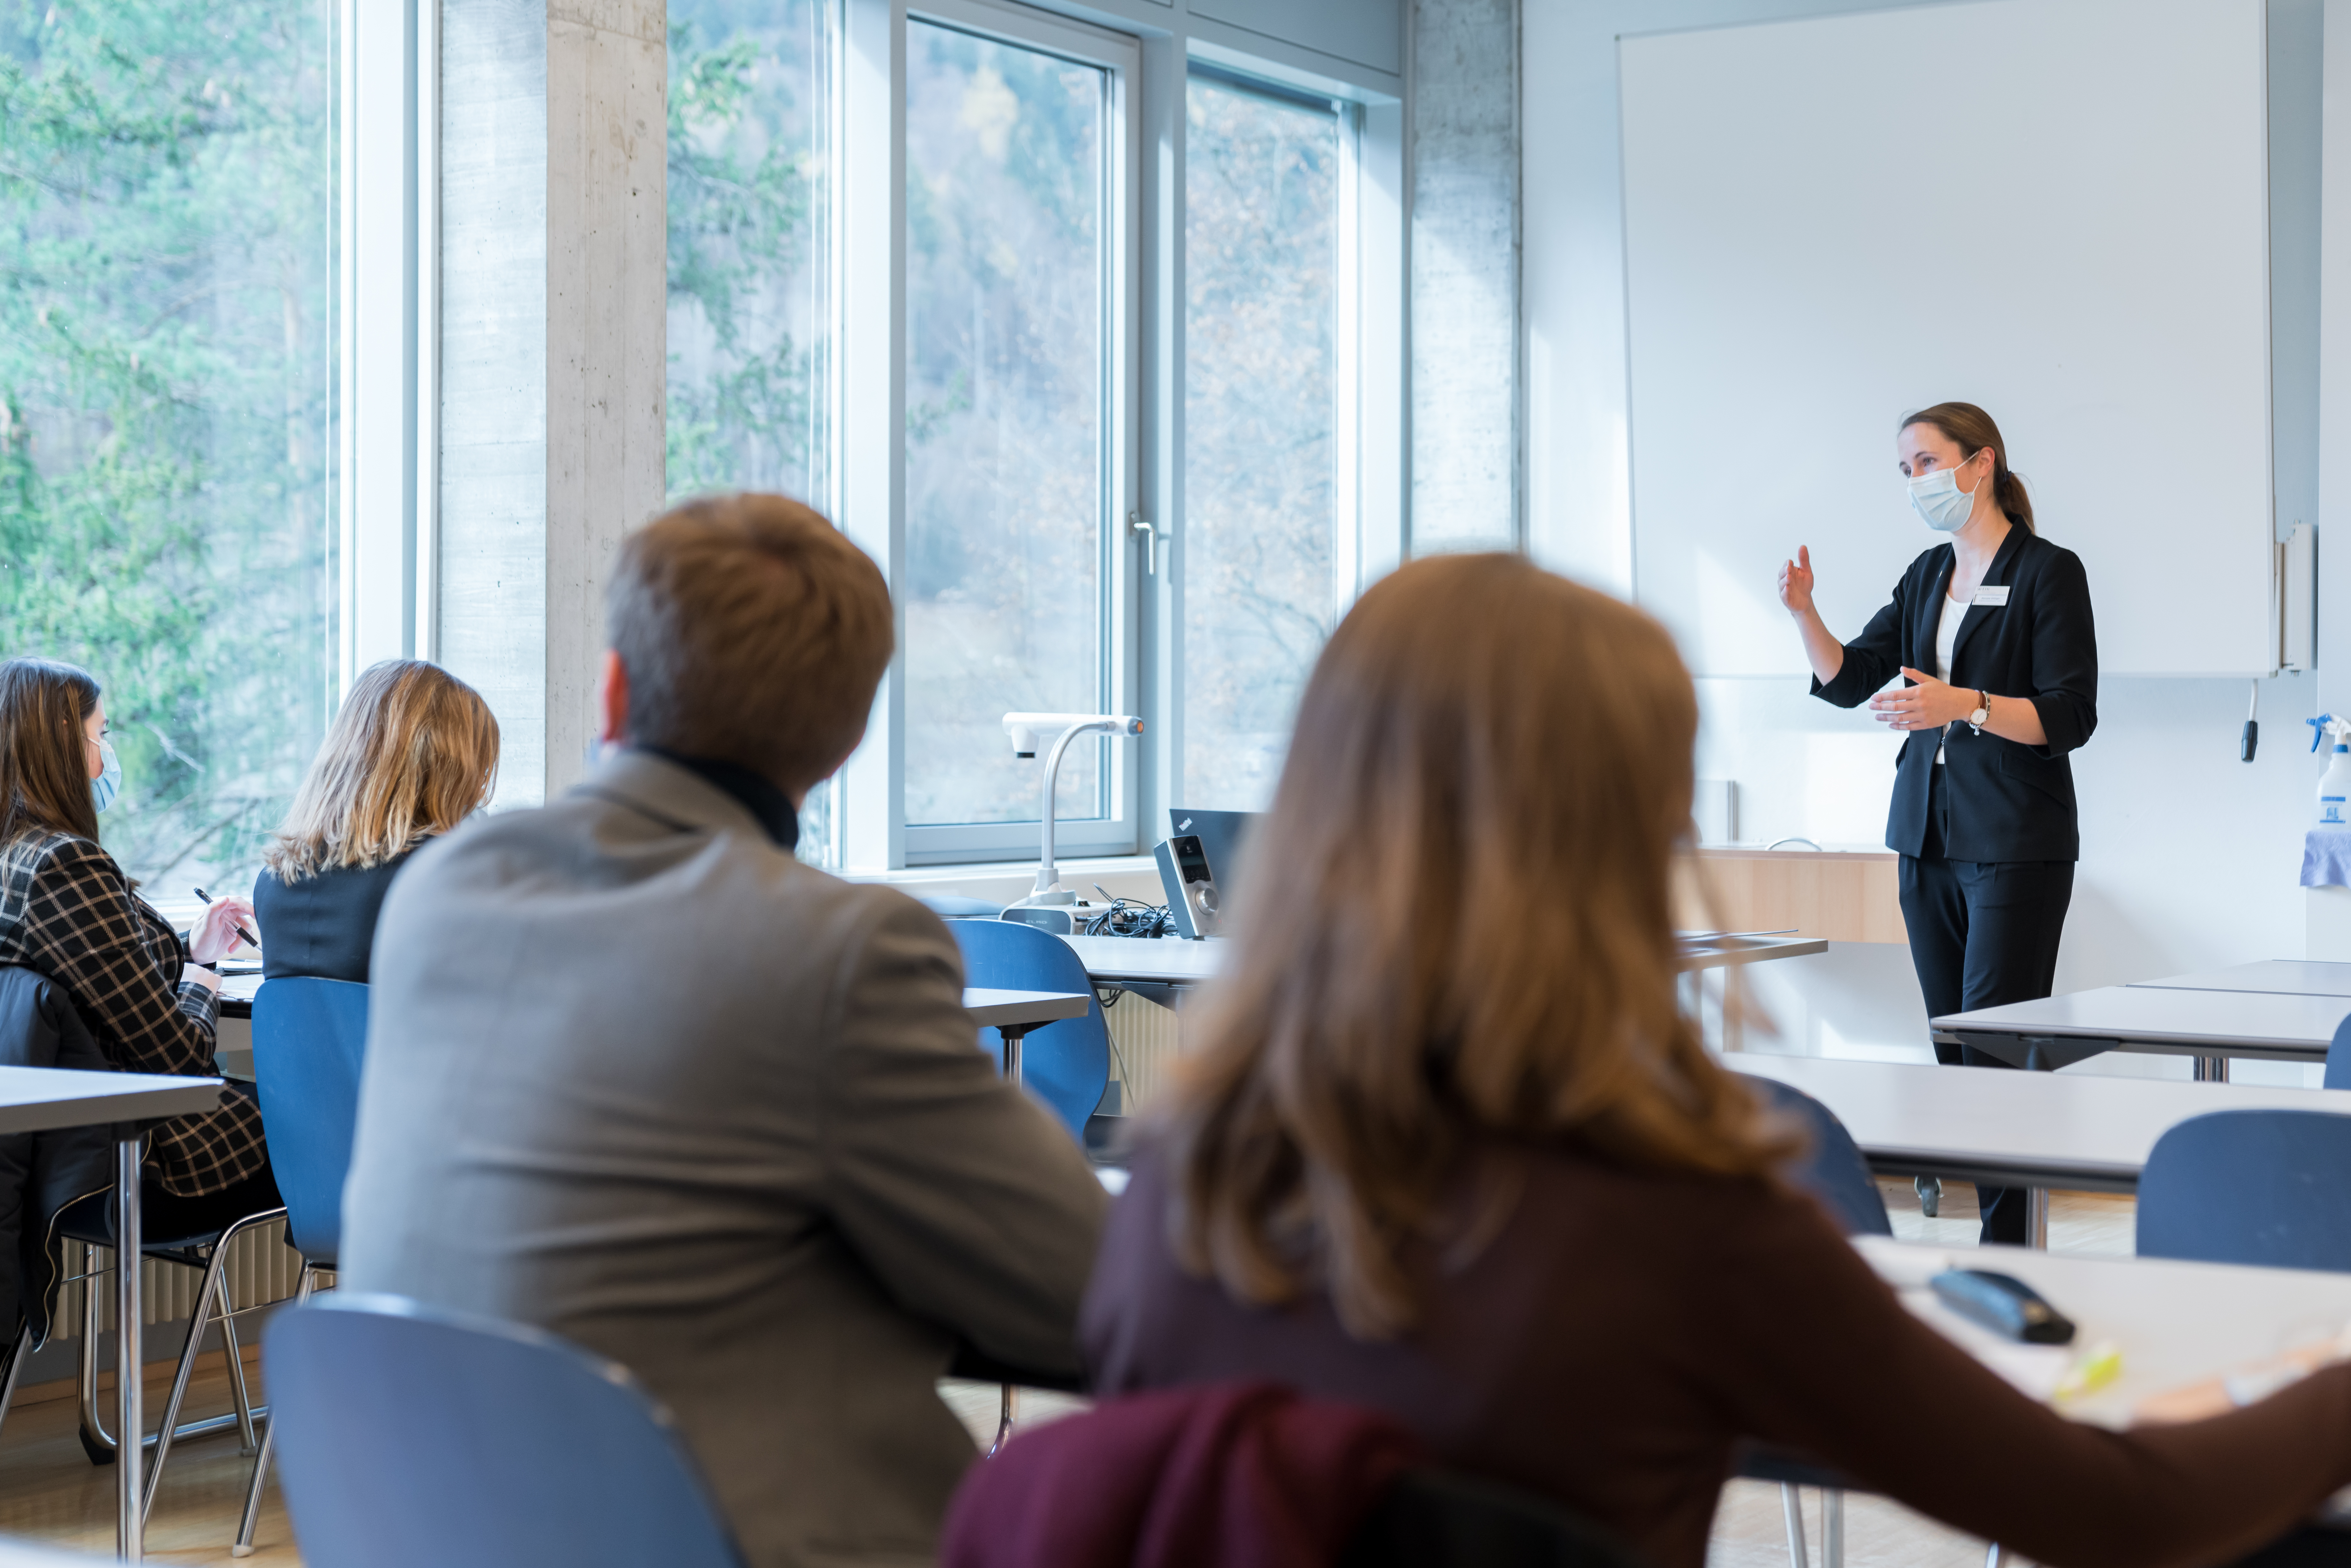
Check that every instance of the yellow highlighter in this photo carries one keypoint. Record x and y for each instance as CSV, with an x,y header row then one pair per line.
x,y
2099,1365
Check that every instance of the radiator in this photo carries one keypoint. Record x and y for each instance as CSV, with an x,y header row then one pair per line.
x,y
261,1268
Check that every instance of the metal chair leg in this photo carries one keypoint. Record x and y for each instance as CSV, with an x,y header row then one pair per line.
x,y
236,1353
1791,1508
1833,1527
1003,1419
95,1440
243,1547
17,1356
199,1319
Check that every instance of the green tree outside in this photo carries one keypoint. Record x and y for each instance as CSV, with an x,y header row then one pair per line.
x,y
168,258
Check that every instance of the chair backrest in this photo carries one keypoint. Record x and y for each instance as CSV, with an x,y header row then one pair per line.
x,y
309,1042
416,1435
2264,1188
42,1173
1831,1169
1442,1519
2338,1057
1065,1064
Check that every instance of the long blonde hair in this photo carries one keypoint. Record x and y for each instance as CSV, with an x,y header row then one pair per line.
x,y
413,752
1455,932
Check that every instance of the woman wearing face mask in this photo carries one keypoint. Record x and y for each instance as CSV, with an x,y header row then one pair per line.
x,y
67,911
1991,634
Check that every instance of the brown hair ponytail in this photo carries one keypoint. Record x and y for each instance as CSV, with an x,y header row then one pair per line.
x,y
1972,428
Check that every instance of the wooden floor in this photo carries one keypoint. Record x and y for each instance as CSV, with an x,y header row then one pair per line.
x,y
50,1491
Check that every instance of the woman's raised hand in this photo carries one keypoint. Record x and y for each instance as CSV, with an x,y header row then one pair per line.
x,y
1796,582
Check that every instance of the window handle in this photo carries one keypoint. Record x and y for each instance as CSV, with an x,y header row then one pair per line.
x,y
1135,525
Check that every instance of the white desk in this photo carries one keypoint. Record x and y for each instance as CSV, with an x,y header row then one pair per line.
x,y
1018,1012
42,1099
1012,1014
2282,977
2014,1129
2176,1323
1161,969
2199,1019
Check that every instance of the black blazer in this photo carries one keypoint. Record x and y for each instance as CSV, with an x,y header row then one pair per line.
x,y
2007,801
322,926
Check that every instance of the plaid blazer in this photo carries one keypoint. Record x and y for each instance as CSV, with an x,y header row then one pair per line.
x,y
67,911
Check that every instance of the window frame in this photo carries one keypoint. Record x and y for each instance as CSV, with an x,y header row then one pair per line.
x,y
1370,449
1356,557
388,219
871,830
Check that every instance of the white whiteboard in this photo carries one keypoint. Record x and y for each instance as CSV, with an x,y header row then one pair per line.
x,y
1807,258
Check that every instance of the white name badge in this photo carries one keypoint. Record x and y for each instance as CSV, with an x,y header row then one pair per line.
x,y
1990,597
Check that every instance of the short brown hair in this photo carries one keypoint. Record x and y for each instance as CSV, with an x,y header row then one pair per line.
x,y
1456,933
412,753
753,631
44,771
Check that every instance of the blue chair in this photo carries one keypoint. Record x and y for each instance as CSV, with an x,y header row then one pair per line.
x,y
2264,1188
1831,1169
2338,1057
309,1042
1065,1064
418,1436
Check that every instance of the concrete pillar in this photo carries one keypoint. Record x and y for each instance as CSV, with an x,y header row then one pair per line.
x,y
1465,488
553,344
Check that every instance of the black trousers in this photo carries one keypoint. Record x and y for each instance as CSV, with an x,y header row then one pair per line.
x,y
1982,933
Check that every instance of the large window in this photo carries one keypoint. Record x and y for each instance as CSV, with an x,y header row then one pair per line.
x,y
1017,405
1011,494
1261,396
168,379
750,299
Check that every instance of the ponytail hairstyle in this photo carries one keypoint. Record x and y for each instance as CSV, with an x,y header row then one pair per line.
x,y
1972,428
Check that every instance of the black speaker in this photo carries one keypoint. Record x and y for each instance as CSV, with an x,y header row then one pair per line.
x,y
1191,891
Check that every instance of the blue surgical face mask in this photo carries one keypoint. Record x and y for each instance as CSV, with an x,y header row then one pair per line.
x,y
1938,498
109,782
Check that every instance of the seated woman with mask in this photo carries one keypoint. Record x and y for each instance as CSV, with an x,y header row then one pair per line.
x,y
413,752
1444,1143
69,913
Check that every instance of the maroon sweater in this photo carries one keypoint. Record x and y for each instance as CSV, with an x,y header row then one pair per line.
x,y
1623,1332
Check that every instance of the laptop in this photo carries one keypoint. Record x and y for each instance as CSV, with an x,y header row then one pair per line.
x,y
1224,838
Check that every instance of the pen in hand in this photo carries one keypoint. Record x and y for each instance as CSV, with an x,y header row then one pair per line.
x,y
251,940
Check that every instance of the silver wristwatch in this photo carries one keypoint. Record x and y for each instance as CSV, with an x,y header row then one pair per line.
x,y
1983,715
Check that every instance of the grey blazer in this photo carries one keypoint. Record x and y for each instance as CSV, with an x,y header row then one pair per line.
x,y
638,1076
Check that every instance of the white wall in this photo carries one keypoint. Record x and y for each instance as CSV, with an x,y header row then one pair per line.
x,y
2190,857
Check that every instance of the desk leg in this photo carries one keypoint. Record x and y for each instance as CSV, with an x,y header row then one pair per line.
x,y
2036,1217
1011,1038
130,1419
2211,1069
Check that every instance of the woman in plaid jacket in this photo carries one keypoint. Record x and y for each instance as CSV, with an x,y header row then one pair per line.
x,y
66,910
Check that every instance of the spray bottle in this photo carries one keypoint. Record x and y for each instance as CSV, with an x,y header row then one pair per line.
x,y
2334,786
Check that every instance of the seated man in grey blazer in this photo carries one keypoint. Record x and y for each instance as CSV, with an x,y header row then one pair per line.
x,y
636,1074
